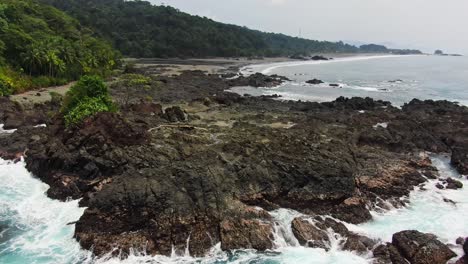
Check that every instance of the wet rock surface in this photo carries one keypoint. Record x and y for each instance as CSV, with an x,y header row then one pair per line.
x,y
190,175
413,247
318,232
418,247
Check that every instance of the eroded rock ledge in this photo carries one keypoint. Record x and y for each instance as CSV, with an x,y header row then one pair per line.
x,y
211,173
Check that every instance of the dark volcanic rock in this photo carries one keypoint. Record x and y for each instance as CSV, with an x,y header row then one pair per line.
x,y
246,234
454,184
72,163
13,115
314,81
314,233
258,80
358,243
319,57
308,234
149,182
422,248
175,114
388,254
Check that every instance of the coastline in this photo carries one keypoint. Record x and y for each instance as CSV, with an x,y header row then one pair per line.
x,y
216,172
225,65
222,168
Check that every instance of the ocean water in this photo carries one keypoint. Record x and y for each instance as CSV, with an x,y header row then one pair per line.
x,y
397,79
36,229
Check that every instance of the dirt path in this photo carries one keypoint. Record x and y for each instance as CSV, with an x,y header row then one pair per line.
x,y
40,96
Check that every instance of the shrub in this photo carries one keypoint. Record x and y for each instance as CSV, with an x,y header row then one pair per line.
x,y
87,86
86,98
6,86
85,108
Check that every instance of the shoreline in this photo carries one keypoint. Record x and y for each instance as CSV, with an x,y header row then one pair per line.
x,y
228,65
219,165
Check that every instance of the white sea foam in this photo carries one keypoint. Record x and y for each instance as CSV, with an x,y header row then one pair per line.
x,y
37,226
382,125
268,68
426,212
6,131
38,230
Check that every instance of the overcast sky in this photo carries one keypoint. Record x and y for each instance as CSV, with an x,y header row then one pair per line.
x,y
422,24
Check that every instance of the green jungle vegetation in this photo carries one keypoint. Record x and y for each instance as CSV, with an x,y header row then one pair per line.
x,y
86,98
140,29
42,46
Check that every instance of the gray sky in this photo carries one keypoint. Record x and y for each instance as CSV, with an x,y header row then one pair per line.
x,y
422,24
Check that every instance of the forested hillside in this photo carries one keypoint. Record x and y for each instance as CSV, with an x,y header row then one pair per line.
x,y
140,29
41,46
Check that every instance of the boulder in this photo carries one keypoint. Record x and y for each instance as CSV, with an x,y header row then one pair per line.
x,y
246,234
388,254
454,184
175,114
309,235
420,248
314,81
358,243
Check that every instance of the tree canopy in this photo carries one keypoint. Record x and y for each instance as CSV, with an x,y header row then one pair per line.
x,y
39,40
140,29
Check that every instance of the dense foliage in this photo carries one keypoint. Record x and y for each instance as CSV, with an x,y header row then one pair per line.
x,y
373,48
41,46
86,98
139,29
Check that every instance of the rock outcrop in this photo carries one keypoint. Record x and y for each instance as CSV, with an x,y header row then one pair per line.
x,y
314,81
191,175
414,247
258,80
317,232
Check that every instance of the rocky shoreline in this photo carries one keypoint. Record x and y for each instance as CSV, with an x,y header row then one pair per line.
x,y
186,160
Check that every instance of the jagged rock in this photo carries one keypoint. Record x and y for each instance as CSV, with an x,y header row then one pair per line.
x,y
246,234
175,114
422,248
309,235
454,184
258,80
358,243
325,223
388,254
164,185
